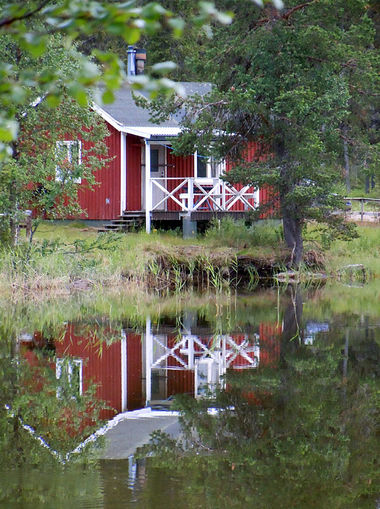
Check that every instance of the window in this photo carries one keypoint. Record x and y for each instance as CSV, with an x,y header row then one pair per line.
x,y
154,165
208,167
68,155
202,163
68,372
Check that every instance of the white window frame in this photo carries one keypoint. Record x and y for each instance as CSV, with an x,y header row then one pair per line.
x,y
68,144
68,364
210,160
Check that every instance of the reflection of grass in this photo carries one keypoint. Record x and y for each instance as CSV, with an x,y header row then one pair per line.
x,y
339,299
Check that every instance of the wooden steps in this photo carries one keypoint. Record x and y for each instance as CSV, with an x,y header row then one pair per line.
x,y
128,221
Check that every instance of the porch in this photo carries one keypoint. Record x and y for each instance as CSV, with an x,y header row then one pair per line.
x,y
195,199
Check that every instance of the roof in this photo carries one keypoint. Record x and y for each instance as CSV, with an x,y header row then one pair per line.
x,y
126,116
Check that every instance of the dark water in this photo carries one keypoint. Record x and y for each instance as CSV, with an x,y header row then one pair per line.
x,y
291,376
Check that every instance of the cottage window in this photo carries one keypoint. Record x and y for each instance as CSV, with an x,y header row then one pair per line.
x,y
68,372
154,162
208,167
68,155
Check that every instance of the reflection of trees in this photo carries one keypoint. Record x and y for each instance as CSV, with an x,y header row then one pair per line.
x,y
296,435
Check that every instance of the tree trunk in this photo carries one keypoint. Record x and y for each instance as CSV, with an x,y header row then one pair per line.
x,y
291,326
293,237
13,206
292,223
346,163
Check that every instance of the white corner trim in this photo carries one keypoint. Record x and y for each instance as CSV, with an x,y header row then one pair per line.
x,y
123,172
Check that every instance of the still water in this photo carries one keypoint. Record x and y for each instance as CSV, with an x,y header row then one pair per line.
x,y
277,392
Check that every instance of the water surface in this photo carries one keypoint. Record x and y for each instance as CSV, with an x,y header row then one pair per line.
x,y
290,375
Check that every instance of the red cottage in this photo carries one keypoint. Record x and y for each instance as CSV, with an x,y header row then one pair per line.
x,y
146,181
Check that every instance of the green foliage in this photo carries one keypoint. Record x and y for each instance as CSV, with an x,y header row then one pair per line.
x,y
229,232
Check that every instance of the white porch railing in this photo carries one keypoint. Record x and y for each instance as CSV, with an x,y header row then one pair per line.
x,y
196,194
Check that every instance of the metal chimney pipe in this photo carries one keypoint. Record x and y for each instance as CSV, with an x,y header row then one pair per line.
x,y
140,59
131,63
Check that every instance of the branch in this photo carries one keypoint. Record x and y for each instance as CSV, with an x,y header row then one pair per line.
x,y
9,21
297,8
287,14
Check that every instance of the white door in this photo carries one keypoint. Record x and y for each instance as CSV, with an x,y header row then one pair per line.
x,y
157,171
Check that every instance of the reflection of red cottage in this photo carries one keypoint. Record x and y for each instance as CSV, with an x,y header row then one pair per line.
x,y
137,368
115,369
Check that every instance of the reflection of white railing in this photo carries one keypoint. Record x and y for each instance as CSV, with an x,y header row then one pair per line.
x,y
224,350
192,194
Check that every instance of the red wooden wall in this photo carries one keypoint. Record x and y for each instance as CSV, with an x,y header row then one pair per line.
x,y
134,372
178,166
102,368
103,202
270,344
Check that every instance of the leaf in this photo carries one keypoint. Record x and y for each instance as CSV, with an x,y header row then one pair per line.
x,y
177,24
34,44
108,97
279,4
53,100
78,93
8,130
131,35
164,67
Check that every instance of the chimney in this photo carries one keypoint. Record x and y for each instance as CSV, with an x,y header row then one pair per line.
x,y
131,63
140,56
136,61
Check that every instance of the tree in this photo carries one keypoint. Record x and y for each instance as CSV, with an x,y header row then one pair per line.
x,y
49,157
288,79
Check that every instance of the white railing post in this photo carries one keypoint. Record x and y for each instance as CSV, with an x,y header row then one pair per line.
x,y
190,203
148,187
223,195
256,197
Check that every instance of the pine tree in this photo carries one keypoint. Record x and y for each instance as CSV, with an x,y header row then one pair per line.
x,y
296,81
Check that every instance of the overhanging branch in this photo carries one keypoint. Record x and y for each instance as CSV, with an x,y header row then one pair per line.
x,y
14,19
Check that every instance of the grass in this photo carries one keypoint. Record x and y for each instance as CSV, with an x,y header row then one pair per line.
x,y
72,256
364,250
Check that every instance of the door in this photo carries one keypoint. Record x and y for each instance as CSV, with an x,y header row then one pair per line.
x,y
158,171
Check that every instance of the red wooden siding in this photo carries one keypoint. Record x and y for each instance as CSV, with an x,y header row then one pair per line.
x,y
102,368
103,202
253,152
270,344
178,166
133,173
134,372
179,381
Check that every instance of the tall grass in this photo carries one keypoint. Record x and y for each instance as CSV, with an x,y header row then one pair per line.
x,y
237,234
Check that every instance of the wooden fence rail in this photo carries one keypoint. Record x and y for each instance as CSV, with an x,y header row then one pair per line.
x,y
362,201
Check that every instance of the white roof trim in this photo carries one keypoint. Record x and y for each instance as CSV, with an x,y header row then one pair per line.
x,y
107,117
143,132
148,132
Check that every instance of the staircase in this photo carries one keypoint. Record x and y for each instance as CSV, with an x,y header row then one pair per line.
x,y
128,221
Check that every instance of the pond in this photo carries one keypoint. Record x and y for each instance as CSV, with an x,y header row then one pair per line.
x,y
276,391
